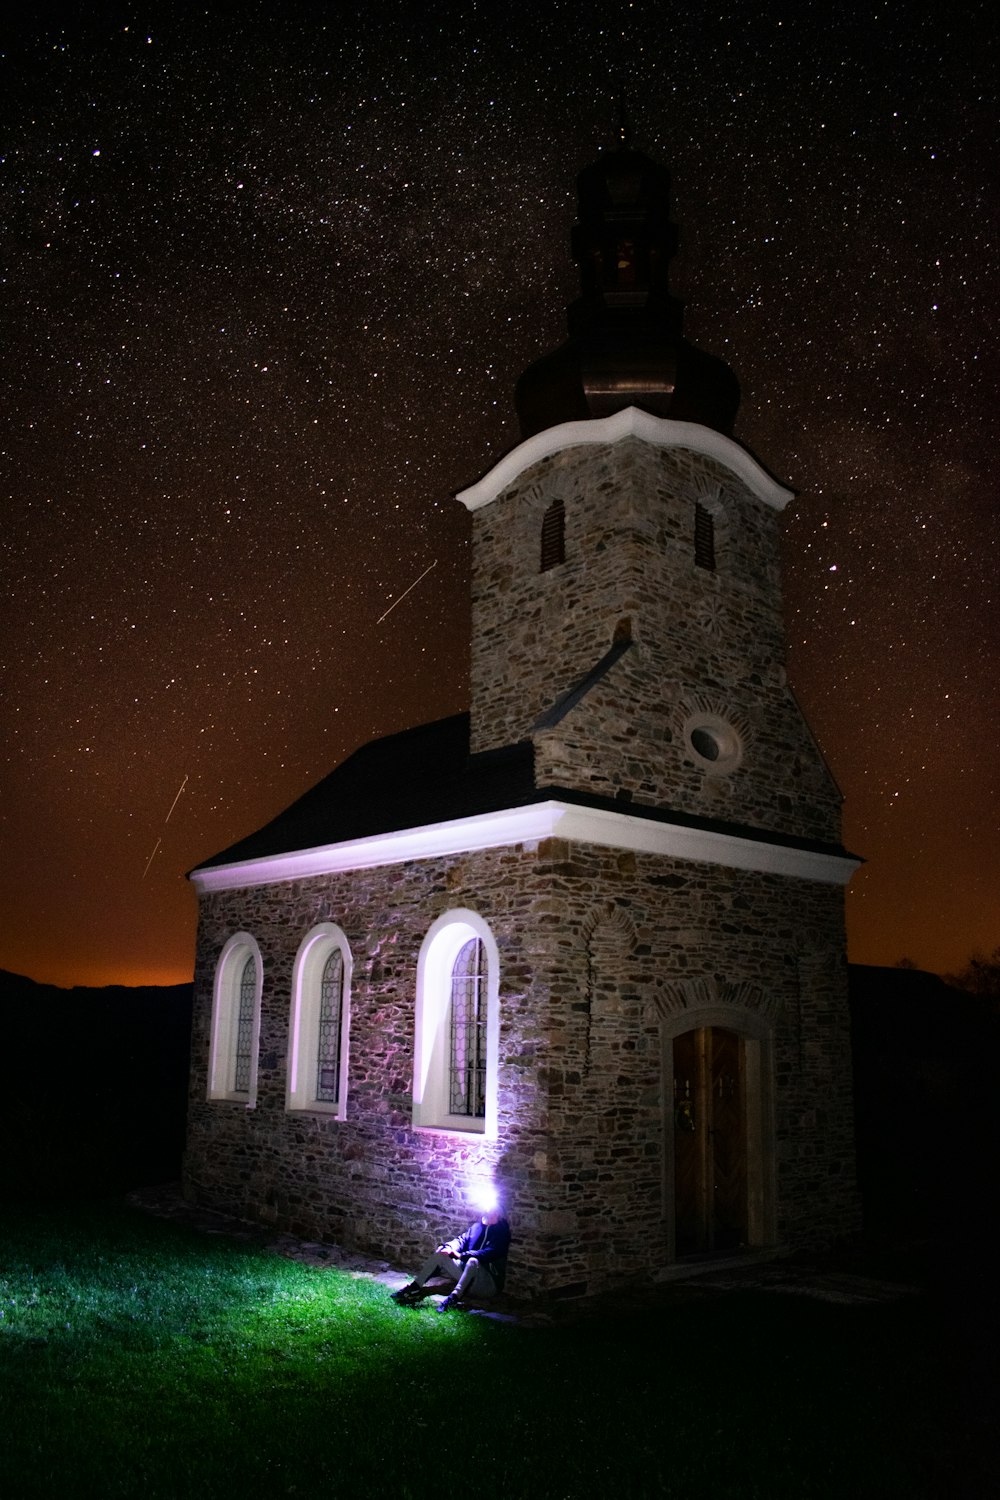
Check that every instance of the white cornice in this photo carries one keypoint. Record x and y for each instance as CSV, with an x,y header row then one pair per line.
x,y
631,422
524,825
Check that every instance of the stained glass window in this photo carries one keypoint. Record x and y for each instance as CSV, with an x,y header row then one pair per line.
x,y
244,1027
328,1039
468,1031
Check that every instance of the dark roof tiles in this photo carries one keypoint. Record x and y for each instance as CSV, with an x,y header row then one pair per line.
x,y
427,775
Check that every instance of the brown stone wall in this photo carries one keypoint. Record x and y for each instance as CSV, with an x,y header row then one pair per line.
x,y
596,947
370,1181
704,640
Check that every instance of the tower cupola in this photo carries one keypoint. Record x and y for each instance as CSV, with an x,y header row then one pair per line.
x,y
625,346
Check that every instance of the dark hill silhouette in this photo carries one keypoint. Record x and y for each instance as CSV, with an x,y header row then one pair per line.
x,y
95,1087
928,1128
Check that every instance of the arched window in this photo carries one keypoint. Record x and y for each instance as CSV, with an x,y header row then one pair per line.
x,y
331,1004
232,1072
318,1033
457,1026
625,263
246,1012
467,1064
704,538
553,536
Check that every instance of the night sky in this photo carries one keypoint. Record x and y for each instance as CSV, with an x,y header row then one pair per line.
x,y
266,287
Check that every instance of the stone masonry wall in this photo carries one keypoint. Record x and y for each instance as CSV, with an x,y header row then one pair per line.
x,y
369,1181
705,641
596,947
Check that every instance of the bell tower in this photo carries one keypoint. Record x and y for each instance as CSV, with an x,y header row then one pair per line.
x,y
627,610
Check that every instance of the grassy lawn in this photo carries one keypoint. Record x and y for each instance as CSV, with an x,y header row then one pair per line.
x,y
139,1358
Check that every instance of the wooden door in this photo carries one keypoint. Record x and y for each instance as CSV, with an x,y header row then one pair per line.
x,y
710,1142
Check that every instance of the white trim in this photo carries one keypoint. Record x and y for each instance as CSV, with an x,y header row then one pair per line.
x,y
314,950
438,952
457,836
225,1011
525,825
660,431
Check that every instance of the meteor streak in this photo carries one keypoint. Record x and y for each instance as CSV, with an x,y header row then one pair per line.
x,y
166,820
151,858
177,798
403,595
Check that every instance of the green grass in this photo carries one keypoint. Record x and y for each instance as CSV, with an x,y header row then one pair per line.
x,y
138,1358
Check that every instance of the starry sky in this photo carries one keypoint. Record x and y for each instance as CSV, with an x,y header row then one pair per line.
x,y
268,277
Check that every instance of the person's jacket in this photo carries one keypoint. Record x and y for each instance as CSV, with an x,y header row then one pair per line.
x,y
488,1244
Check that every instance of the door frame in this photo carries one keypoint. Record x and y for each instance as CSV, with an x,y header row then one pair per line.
x,y
757,1036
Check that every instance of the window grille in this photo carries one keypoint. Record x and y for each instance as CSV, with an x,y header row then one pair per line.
x,y
704,538
328,1040
553,536
468,1031
244,1027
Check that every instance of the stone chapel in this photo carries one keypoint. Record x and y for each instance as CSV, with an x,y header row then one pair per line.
x,y
584,944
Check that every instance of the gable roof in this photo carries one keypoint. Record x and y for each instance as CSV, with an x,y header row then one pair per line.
x,y
421,793
406,780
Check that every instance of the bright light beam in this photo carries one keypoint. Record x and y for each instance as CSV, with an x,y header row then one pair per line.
x,y
486,1197
403,595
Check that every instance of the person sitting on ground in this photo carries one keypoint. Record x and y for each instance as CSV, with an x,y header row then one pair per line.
x,y
475,1261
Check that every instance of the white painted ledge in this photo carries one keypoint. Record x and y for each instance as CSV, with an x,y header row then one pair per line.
x,y
661,432
527,825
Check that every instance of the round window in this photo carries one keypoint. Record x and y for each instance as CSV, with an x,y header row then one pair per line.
x,y
706,743
714,743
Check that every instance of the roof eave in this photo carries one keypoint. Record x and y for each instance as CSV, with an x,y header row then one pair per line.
x,y
527,825
661,432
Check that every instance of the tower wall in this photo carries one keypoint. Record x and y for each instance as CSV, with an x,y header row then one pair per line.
x,y
708,643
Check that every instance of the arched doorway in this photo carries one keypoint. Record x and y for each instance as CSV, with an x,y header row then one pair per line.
x,y
718,1162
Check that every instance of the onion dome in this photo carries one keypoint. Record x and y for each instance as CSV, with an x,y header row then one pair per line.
x,y
625,346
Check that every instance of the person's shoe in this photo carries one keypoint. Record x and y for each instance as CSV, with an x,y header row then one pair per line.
x,y
448,1302
406,1294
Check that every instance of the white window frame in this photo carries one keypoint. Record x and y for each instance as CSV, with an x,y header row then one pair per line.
x,y
432,1042
225,1021
303,1032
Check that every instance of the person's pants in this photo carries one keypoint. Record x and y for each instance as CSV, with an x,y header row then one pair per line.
x,y
471,1280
